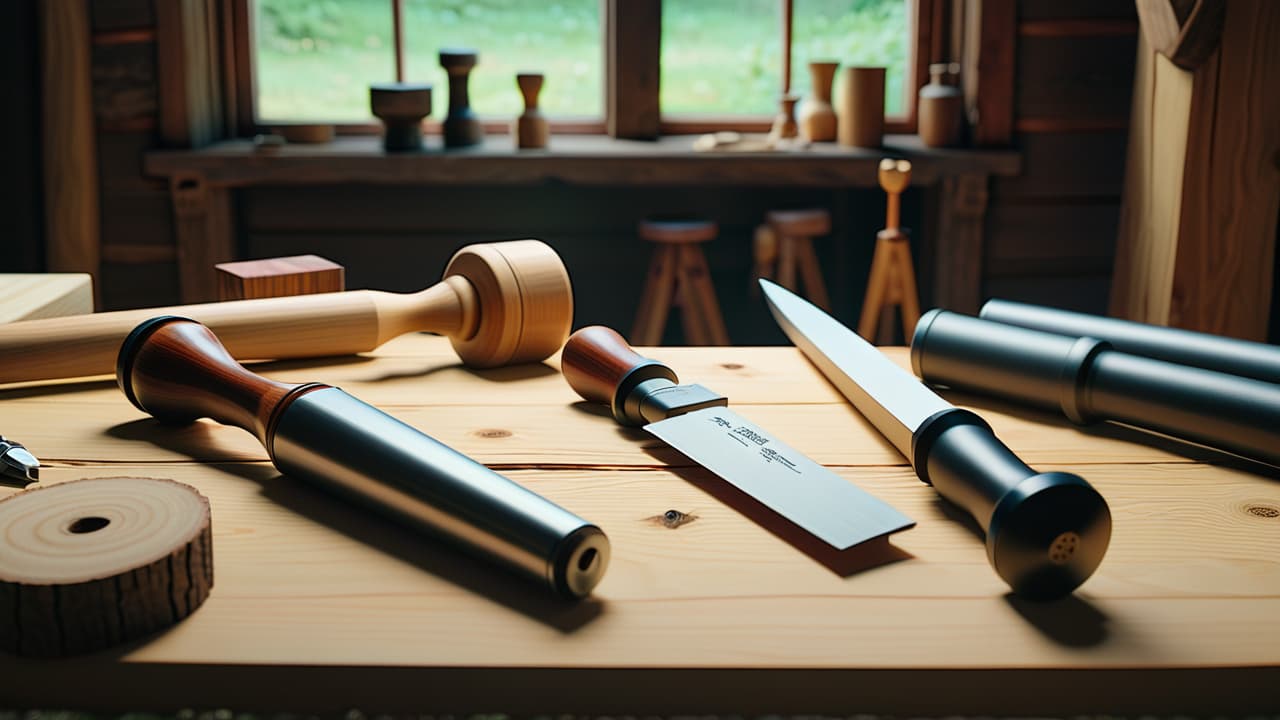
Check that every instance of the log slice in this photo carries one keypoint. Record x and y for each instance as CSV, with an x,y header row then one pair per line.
x,y
91,563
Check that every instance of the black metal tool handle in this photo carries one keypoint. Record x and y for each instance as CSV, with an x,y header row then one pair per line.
x,y
1089,381
1046,532
1184,347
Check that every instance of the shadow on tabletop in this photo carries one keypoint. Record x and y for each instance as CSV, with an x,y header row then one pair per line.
x,y
1070,621
1114,431
428,553
505,374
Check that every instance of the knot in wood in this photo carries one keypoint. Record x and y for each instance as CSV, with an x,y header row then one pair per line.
x,y
492,433
732,366
673,519
1263,511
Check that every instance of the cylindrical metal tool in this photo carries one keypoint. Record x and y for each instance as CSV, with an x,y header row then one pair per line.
x,y
1089,381
1185,347
178,371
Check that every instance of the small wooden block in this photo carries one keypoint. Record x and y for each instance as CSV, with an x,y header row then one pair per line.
x,y
279,277
34,296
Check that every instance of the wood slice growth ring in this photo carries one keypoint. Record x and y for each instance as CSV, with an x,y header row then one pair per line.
x,y
88,564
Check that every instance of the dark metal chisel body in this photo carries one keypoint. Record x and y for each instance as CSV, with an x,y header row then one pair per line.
x,y
1089,381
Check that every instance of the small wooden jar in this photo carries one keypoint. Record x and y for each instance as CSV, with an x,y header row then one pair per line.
x,y
860,117
941,107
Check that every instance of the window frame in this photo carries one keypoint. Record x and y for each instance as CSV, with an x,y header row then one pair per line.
x,y
927,37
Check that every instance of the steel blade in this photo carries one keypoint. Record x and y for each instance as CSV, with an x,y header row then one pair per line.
x,y
890,397
804,492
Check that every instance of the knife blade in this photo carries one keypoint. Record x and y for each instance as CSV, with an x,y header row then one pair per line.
x,y
1045,532
601,367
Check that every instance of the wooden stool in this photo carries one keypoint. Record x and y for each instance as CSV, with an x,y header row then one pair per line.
x,y
893,277
678,271
785,242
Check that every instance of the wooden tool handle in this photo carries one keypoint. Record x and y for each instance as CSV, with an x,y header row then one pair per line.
x,y
597,360
178,371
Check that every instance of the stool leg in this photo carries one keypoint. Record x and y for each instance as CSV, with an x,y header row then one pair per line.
x,y
787,262
814,287
874,299
764,251
907,289
701,307
655,301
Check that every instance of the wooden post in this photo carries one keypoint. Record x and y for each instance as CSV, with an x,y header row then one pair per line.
x,y
72,242
633,31
957,281
205,234
992,28
1202,187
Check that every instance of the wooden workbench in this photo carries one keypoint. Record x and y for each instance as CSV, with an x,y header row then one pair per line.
x,y
319,607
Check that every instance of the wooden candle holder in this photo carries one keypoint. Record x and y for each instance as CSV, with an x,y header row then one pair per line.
x,y
532,130
461,126
401,108
784,125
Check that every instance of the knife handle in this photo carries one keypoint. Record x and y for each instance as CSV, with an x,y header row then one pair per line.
x,y
1046,532
601,367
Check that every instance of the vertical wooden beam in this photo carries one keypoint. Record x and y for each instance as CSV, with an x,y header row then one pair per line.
x,y
633,30
187,44
1202,188
204,228
70,154
992,29
957,267
244,89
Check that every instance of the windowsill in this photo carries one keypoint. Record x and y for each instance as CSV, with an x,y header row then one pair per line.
x,y
571,159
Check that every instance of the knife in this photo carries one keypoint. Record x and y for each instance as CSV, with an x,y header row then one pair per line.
x,y
1045,532
601,367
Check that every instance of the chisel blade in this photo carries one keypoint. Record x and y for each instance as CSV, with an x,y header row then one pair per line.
x,y
822,503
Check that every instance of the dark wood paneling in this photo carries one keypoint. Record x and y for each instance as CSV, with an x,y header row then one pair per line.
x,y
110,15
136,218
120,162
1075,78
127,286
23,199
1084,293
1065,165
1036,239
124,83
1062,9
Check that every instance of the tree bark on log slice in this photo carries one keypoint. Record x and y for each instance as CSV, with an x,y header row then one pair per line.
x,y
92,563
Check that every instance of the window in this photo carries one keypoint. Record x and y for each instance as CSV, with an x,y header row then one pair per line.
x,y
720,60
314,61
723,58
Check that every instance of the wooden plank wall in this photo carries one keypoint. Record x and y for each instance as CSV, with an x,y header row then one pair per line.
x,y
138,255
1051,232
400,238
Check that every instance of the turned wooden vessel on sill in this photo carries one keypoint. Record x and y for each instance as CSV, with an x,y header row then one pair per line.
x,y
532,130
401,108
816,117
461,126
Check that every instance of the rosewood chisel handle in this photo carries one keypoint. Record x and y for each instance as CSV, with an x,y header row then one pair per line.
x,y
601,367
176,370
499,303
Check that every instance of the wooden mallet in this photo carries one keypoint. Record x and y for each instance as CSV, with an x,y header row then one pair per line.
x,y
499,303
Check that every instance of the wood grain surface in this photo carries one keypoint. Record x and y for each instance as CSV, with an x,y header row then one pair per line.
x,y
321,606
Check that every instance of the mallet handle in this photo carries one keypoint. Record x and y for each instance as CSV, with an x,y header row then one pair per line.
x,y
268,328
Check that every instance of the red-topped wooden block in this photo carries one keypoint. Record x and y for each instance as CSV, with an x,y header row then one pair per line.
x,y
279,277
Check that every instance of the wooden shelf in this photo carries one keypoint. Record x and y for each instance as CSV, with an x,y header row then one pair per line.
x,y
573,159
